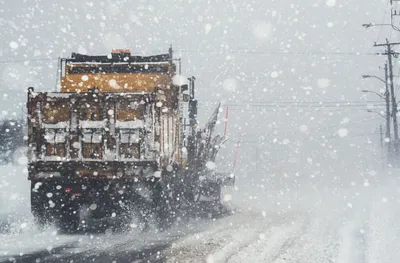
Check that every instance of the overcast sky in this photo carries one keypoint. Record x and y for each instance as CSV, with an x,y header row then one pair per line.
x,y
236,51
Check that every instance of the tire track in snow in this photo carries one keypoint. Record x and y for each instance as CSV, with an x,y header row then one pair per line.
x,y
328,240
199,247
238,239
383,233
315,242
336,232
271,241
222,239
353,244
297,231
355,229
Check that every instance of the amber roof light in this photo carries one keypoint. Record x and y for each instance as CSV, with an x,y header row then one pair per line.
x,y
120,51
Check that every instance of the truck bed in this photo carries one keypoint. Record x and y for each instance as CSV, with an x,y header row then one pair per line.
x,y
99,135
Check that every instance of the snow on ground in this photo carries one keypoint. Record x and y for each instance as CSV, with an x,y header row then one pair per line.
x,y
357,223
18,233
31,240
14,189
14,198
228,236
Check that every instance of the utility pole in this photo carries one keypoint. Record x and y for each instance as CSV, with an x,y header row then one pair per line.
x,y
387,100
388,138
390,53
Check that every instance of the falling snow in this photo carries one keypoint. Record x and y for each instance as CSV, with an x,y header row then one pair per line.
x,y
310,166
14,45
343,132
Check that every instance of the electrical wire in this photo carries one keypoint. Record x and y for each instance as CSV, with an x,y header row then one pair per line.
x,y
27,60
367,135
332,105
243,110
278,52
302,106
352,136
383,21
298,102
237,51
247,52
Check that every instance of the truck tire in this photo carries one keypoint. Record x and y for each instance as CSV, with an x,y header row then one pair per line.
x,y
39,204
164,206
68,221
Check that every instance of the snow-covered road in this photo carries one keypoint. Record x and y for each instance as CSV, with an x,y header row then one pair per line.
x,y
359,224
316,223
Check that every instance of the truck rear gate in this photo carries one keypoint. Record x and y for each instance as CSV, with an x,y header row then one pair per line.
x,y
91,134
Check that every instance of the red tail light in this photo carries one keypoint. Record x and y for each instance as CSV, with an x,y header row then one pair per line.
x,y
67,190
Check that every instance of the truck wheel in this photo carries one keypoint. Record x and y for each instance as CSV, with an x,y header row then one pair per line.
x,y
68,221
164,206
39,204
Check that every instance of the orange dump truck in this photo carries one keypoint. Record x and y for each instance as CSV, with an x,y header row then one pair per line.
x,y
118,139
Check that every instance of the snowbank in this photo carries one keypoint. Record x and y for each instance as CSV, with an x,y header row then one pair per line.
x,y
14,190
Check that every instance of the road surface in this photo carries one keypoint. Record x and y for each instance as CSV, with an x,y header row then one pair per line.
x,y
355,222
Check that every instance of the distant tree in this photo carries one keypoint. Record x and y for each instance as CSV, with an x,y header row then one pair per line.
x,y
11,138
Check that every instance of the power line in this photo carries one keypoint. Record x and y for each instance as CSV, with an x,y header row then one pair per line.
x,y
278,52
303,109
27,60
315,139
264,109
339,102
238,51
304,106
315,105
383,20
248,52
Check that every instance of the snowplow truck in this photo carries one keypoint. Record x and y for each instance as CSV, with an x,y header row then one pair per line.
x,y
119,138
